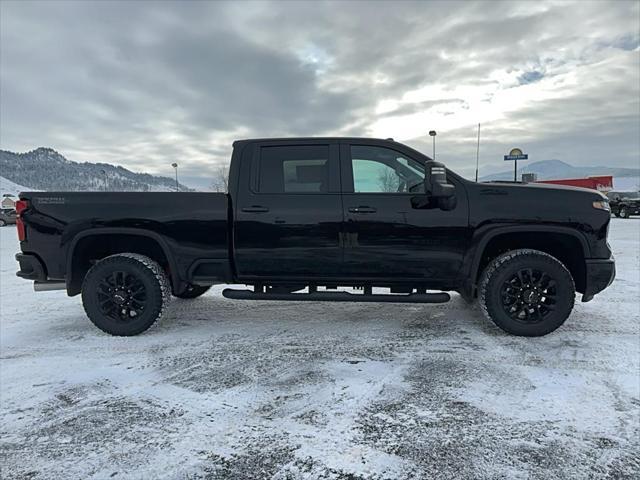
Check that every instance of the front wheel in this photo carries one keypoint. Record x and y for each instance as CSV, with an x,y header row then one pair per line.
x,y
527,292
624,213
125,294
193,291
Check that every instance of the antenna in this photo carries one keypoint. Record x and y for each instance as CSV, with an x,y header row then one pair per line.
x,y
478,153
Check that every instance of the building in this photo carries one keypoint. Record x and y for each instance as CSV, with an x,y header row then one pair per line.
x,y
602,183
8,202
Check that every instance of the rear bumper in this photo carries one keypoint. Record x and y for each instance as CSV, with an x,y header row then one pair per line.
x,y
599,275
31,267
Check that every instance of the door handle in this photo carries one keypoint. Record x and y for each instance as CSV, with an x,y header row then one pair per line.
x,y
363,209
255,209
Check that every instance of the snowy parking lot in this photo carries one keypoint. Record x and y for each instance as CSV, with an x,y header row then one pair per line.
x,y
238,390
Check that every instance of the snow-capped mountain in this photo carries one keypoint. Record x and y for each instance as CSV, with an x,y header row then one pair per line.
x,y
46,169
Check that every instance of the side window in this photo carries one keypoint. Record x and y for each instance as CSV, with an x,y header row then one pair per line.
x,y
294,169
382,170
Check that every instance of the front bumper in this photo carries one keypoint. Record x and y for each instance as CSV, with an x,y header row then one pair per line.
x,y
31,267
599,275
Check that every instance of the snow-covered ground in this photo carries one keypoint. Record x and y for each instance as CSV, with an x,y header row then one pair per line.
x,y
222,389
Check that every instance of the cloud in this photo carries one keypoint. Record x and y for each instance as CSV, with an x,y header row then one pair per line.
x,y
144,84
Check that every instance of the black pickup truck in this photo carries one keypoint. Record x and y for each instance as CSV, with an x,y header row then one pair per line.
x,y
305,216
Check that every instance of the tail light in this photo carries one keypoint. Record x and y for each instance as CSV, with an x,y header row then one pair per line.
x,y
21,206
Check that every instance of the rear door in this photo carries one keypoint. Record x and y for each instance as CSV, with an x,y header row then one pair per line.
x,y
389,234
288,217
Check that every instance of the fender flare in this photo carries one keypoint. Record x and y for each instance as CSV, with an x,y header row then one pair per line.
x,y
159,239
487,237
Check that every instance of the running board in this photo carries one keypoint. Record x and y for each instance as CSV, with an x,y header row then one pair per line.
x,y
440,297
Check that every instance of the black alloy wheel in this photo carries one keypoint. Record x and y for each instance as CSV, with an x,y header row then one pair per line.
x,y
529,295
121,296
526,292
125,294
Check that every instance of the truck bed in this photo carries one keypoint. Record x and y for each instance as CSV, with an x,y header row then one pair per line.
x,y
191,228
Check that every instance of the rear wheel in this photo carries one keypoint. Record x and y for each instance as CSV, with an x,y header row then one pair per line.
x,y
527,292
125,294
2,223
193,291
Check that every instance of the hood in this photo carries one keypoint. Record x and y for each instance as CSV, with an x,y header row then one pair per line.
x,y
515,186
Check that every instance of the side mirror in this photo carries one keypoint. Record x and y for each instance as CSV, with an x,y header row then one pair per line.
x,y
435,181
436,186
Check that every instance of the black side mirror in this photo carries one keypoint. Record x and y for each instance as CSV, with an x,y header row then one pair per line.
x,y
435,181
436,186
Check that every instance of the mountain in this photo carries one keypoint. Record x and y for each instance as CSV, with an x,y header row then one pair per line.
x,y
46,169
557,169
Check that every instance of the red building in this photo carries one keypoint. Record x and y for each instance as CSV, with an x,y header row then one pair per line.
x,y
603,183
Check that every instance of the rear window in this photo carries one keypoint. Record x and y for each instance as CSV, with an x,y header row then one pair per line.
x,y
294,169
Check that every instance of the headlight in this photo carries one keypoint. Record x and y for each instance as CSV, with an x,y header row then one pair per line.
x,y
602,205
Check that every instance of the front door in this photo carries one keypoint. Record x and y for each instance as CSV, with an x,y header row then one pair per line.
x,y
288,221
389,234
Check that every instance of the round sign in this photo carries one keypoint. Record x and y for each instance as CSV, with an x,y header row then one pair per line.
x,y
515,151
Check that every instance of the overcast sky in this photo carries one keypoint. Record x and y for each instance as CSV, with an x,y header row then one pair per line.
x,y
144,84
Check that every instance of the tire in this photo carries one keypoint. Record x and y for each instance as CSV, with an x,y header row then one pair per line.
x,y
2,223
526,292
617,214
624,213
125,294
193,291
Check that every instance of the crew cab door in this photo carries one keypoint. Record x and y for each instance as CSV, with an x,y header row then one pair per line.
x,y
288,214
389,231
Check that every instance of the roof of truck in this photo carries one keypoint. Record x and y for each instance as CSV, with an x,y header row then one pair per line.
x,y
314,139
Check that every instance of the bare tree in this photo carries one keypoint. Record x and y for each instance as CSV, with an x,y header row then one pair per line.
x,y
220,181
388,180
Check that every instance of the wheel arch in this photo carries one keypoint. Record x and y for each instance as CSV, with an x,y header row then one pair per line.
x,y
109,241
565,244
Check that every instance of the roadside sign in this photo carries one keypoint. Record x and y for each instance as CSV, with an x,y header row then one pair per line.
x,y
514,155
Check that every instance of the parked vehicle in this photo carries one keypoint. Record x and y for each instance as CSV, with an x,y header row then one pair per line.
x,y
7,217
306,215
626,206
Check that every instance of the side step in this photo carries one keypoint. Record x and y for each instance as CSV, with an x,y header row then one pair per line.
x,y
235,294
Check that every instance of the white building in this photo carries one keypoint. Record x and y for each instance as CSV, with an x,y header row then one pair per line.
x,y
8,201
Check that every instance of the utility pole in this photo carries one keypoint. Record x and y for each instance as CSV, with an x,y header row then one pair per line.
x,y
175,165
478,153
432,134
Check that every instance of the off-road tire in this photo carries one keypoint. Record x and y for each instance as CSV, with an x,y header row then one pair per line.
x,y
144,270
505,266
624,213
193,291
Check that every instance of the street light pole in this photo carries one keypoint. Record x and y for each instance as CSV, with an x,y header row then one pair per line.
x,y
175,165
432,134
478,153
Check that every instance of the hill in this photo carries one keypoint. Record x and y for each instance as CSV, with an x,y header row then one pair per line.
x,y
46,169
